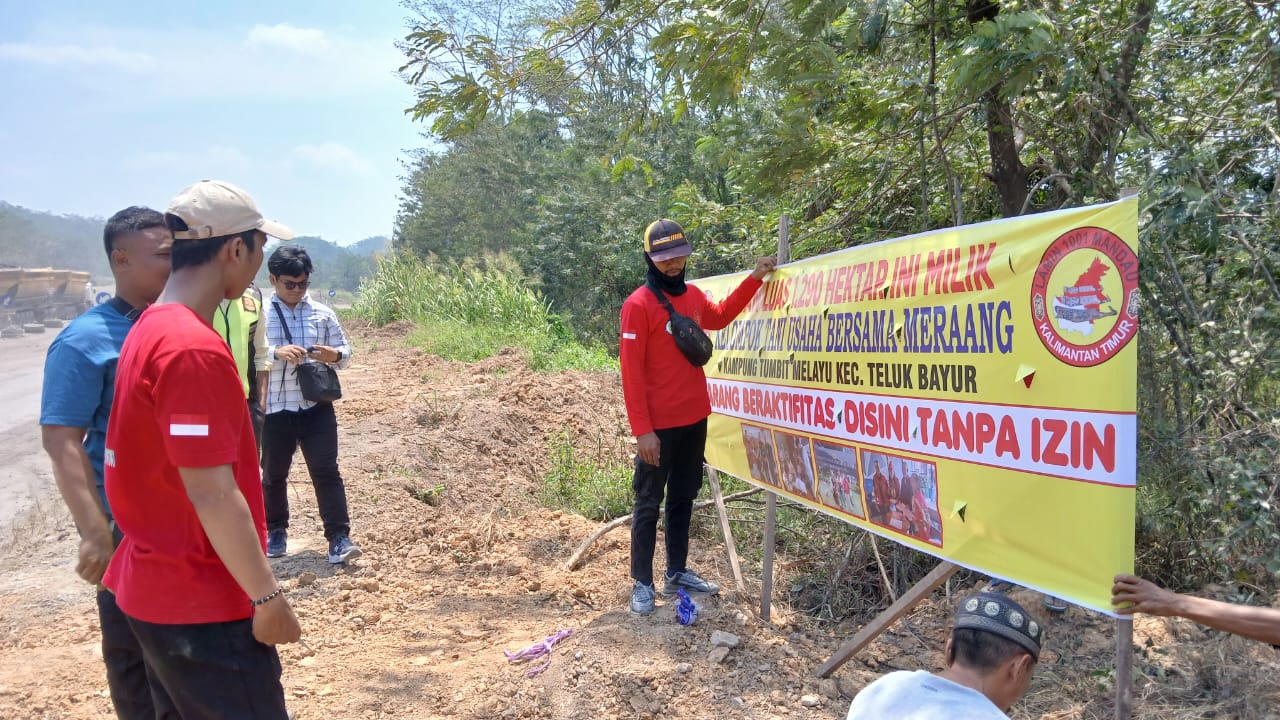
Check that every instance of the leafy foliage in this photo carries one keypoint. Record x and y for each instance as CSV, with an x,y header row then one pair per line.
x,y
868,120
594,482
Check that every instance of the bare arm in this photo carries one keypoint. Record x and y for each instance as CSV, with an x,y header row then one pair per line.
x,y
261,379
74,476
716,316
1255,623
227,522
261,350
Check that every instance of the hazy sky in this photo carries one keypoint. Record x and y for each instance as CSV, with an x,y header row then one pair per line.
x,y
107,103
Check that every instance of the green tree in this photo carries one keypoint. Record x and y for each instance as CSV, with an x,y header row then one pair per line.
x,y
867,120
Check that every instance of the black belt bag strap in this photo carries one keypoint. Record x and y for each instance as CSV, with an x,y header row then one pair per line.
x,y
692,342
318,382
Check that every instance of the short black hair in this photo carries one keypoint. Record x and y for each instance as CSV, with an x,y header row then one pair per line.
x,y
289,261
193,253
131,219
982,650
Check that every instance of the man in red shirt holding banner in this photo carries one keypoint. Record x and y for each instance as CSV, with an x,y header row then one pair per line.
x,y
182,476
667,406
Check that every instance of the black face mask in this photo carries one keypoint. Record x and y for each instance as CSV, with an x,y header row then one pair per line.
x,y
665,283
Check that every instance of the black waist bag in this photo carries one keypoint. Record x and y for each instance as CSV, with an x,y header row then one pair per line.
x,y
317,381
692,342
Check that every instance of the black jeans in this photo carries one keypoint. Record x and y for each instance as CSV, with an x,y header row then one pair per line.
x,y
679,472
214,671
316,430
136,693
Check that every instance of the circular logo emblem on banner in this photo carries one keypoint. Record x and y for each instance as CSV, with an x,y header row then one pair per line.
x,y
1084,298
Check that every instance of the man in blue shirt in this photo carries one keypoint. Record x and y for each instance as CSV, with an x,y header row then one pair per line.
x,y
79,381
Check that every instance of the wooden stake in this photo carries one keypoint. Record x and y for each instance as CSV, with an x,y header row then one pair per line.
x,y
771,498
766,574
872,630
730,547
875,550
1124,668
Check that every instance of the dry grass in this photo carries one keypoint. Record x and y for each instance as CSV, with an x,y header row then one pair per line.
x,y
1181,672
44,518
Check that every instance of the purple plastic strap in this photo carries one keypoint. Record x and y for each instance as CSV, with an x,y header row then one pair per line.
x,y
537,650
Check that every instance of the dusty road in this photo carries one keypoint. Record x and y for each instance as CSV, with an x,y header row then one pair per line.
x,y
25,479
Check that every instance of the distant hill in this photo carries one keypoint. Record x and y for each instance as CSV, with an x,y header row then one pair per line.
x,y
39,239
335,267
376,245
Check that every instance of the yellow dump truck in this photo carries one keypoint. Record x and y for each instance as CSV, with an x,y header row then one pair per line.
x,y
36,295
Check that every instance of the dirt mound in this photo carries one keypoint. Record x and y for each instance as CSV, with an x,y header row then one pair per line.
x,y
443,462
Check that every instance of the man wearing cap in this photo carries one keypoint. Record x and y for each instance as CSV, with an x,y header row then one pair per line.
x,y
75,406
992,651
667,406
182,476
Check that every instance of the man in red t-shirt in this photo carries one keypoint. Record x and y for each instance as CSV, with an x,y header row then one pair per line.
x,y
182,477
667,405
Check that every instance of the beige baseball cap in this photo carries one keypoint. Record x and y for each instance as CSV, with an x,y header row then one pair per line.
x,y
213,208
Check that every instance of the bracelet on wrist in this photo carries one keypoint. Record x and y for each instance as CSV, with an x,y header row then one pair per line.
x,y
268,597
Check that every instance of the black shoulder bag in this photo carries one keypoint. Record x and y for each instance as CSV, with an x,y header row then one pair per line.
x,y
318,381
692,342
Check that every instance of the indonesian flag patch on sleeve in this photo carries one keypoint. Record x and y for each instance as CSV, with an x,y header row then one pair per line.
x,y
188,425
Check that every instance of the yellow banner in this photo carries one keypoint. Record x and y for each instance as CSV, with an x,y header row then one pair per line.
x,y
969,392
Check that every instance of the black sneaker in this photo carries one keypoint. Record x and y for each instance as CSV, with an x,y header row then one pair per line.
x,y
277,542
342,550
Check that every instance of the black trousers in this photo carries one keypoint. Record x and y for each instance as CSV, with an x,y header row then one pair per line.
x,y
316,431
679,474
136,693
214,671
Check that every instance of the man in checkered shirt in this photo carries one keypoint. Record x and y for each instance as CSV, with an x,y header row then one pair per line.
x,y
313,335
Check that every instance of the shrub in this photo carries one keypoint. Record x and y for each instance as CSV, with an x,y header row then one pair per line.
x,y
469,312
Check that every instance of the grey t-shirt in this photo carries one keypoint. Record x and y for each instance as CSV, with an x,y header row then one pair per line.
x,y
921,695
